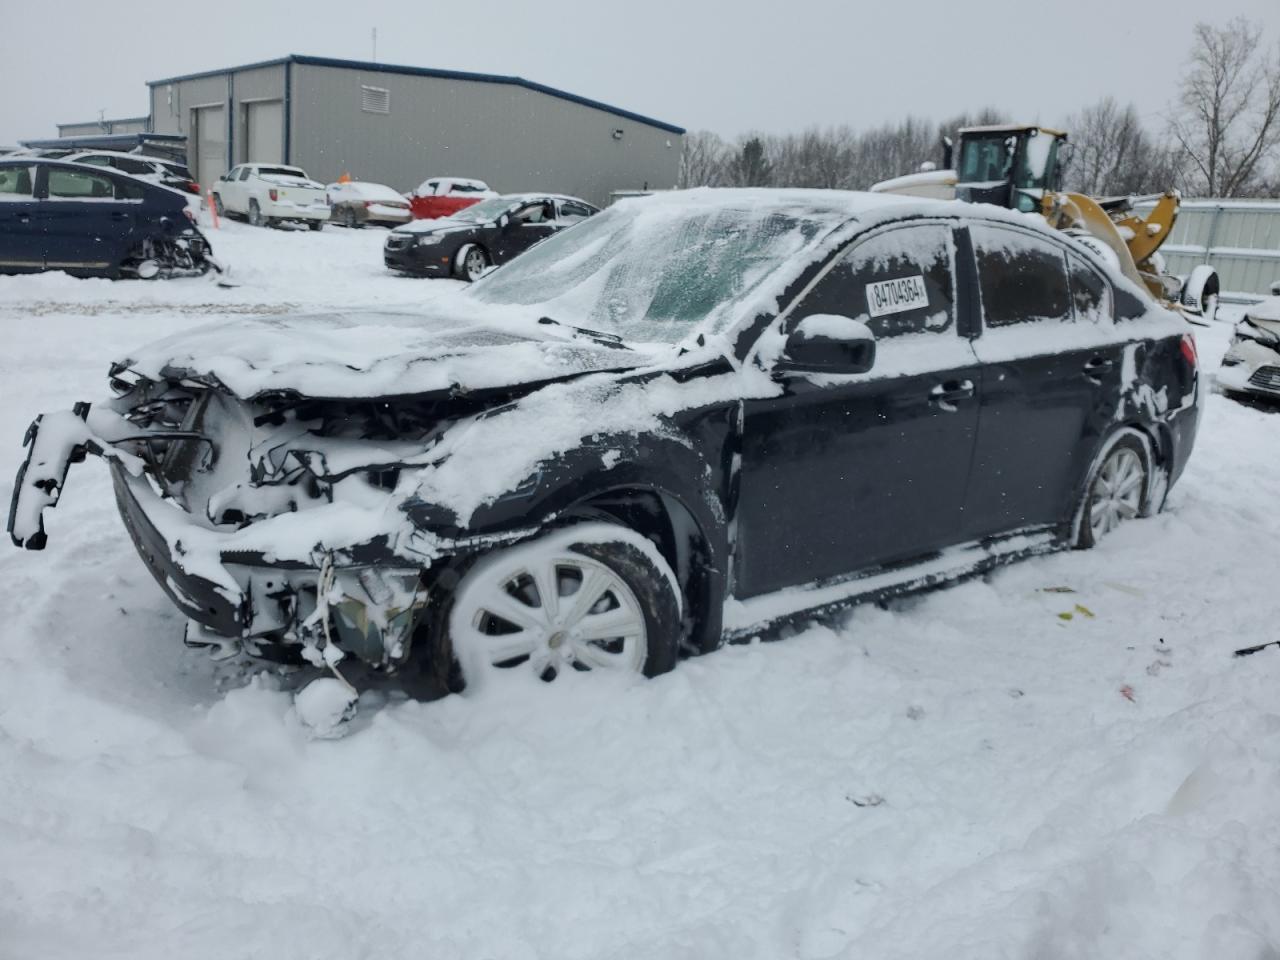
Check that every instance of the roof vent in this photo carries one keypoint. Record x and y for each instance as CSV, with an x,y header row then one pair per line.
x,y
375,99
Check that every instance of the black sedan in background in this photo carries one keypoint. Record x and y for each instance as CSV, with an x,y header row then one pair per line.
x,y
56,215
480,236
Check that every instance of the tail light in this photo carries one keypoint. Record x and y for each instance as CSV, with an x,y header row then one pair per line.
x,y
193,187
368,204
273,194
1188,350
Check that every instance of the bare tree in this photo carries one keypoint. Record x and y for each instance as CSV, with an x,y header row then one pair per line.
x,y
1112,153
703,160
1227,122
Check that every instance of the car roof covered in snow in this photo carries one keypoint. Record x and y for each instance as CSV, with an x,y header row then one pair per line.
x,y
120,153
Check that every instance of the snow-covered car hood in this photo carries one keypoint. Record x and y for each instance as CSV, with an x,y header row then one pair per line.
x,y
437,225
1268,311
375,354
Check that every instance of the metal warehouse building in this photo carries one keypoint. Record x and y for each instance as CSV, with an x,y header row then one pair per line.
x,y
399,125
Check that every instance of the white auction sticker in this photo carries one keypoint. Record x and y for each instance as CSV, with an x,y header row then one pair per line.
x,y
897,296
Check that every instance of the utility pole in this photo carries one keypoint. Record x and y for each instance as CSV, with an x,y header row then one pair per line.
x,y
375,44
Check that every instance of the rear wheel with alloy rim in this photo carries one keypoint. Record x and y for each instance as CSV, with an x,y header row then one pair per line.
x,y
1118,490
594,597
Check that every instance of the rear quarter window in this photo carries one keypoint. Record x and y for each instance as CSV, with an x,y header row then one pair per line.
x,y
1090,292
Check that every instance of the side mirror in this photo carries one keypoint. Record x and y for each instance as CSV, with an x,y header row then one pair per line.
x,y
828,343
507,222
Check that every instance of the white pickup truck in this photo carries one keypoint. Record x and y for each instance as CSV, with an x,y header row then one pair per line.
x,y
270,193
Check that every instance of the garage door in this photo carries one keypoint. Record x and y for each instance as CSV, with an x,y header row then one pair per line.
x,y
211,143
265,129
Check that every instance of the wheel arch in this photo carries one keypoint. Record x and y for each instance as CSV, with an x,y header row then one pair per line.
x,y
682,536
1154,440
652,483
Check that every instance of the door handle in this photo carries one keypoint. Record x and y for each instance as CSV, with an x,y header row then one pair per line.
x,y
945,395
24,218
118,215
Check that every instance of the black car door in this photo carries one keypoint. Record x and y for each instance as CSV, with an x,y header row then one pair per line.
x,y
20,246
843,473
525,227
1051,377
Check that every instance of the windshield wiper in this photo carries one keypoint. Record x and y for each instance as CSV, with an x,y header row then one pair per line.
x,y
608,339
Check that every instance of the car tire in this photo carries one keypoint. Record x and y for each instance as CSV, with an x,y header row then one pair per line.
x,y
255,214
471,262
217,206
349,219
316,225
497,623
1121,486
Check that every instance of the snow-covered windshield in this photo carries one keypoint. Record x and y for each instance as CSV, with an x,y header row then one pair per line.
x,y
485,210
649,271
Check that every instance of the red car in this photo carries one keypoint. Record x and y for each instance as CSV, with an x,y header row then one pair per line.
x,y
442,196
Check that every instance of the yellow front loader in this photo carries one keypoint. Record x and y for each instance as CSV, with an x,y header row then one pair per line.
x,y
1020,167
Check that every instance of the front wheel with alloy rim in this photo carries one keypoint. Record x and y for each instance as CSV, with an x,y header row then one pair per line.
x,y
594,597
1119,490
472,263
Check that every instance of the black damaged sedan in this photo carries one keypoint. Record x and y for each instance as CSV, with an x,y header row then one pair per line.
x,y
483,235
693,415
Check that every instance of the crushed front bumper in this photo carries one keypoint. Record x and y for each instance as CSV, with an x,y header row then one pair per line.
x,y
1250,367
363,597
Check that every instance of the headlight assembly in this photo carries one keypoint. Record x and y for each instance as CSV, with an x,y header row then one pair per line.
x,y
426,239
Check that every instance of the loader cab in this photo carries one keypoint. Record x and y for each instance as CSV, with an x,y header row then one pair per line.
x,y
1009,166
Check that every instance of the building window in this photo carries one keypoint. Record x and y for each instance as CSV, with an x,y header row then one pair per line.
x,y
375,100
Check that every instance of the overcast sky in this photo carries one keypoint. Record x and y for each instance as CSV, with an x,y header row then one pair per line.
x,y
725,66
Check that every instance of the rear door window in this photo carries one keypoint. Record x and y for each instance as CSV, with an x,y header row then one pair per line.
x,y
1023,278
132,166
898,282
17,183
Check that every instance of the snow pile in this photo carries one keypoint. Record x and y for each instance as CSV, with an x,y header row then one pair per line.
x,y
1063,760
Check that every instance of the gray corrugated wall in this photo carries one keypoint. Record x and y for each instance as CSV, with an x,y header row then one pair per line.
x,y
511,137
1240,238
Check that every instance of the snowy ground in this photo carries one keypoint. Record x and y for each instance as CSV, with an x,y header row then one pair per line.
x,y
1063,761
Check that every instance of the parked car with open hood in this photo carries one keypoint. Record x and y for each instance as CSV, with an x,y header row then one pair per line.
x,y
691,415
267,194
56,215
445,196
354,203
481,236
1252,362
